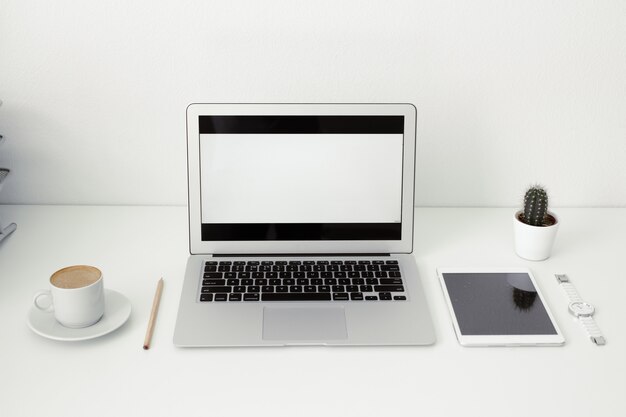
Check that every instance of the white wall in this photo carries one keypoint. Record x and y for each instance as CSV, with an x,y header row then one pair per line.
x,y
508,92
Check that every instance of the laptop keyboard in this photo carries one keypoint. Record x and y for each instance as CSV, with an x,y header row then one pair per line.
x,y
302,280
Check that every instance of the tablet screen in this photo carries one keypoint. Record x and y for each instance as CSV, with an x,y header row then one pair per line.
x,y
499,303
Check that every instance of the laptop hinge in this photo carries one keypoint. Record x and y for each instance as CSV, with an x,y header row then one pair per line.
x,y
283,255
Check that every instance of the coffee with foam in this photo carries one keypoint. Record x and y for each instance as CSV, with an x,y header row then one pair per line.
x,y
78,276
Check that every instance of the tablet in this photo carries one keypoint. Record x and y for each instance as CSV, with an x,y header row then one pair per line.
x,y
498,307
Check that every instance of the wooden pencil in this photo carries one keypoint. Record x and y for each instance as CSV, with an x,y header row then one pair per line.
x,y
153,314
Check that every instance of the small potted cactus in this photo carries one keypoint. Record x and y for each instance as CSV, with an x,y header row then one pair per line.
x,y
535,226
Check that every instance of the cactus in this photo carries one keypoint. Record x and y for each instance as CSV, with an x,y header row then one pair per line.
x,y
536,206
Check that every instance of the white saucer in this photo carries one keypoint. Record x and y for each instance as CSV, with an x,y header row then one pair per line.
x,y
116,312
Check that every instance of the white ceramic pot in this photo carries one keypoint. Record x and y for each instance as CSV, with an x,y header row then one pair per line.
x,y
534,242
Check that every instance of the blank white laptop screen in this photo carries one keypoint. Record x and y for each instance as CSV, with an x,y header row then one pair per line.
x,y
301,177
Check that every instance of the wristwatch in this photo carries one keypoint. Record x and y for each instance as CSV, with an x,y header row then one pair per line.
x,y
581,310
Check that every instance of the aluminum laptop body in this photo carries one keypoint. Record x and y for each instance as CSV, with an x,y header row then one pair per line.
x,y
302,188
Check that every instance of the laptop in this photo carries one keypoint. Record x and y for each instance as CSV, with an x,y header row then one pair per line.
x,y
301,227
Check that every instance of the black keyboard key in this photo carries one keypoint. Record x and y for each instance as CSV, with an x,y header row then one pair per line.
x,y
342,296
388,288
298,274
389,268
371,297
251,297
232,282
261,281
317,281
216,275
385,296
394,274
230,275
358,281
352,288
357,296
338,288
225,263
391,262
206,297
239,289
282,263
275,281
302,281
366,288
215,289
234,297
378,262
254,288
340,275
371,281
295,296
245,275
323,288
272,274
267,288
210,263
399,297
224,268
295,288
289,281
381,274
247,282
312,274
330,281
267,263
310,288
206,282
220,297
258,275
282,288
210,268
389,281
344,281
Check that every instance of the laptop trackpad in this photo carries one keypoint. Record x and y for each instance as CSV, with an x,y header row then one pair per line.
x,y
304,323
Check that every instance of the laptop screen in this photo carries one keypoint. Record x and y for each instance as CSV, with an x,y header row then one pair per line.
x,y
292,177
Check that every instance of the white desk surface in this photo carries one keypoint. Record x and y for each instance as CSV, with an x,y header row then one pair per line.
x,y
134,246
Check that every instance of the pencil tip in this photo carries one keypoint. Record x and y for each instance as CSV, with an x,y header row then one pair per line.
x,y
145,347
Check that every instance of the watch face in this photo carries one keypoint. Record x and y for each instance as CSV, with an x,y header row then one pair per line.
x,y
581,309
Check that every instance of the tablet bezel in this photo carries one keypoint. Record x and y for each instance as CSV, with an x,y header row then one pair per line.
x,y
500,340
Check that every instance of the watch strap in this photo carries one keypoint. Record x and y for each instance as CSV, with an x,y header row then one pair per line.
x,y
569,289
592,329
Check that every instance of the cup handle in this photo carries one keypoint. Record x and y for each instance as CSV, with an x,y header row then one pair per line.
x,y
38,295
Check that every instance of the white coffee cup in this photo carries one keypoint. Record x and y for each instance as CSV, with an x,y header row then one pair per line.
x,y
76,296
